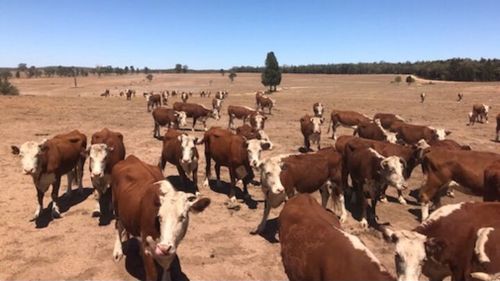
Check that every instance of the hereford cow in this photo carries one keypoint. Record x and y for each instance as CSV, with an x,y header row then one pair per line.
x,y
370,174
106,150
481,112
318,109
486,256
387,119
314,247
441,166
311,131
375,131
221,95
203,94
439,246
239,112
235,153
153,101
129,93
105,94
446,144
283,175
164,97
217,104
180,150
498,128
184,97
257,121
197,111
348,119
167,117
265,102
492,182
47,161
250,133
149,208
411,134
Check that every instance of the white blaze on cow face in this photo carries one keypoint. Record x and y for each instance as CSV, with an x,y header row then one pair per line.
x,y
188,145
259,121
173,218
482,239
181,118
486,109
215,114
270,171
319,109
440,134
392,169
317,121
410,254
29,152
98,153
254,149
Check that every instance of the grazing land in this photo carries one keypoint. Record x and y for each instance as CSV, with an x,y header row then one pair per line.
x,y
218,245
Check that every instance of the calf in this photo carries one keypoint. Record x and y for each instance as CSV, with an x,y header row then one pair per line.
x,y
481,112
387,119
250,133
498,128
370,173
257,121
486,256
492,182
348,119
265,102
47,161
441,166
167,117
148,208
375,131
184,97
315,248
180,150
217,104
283,175
438,247
411,134
106,150
235,153
153,101
318,109
239,112
197,111
311,130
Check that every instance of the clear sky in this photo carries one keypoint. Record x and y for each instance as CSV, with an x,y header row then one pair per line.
x,y
224,33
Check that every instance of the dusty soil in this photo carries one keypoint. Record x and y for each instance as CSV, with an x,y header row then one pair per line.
x,y
218,245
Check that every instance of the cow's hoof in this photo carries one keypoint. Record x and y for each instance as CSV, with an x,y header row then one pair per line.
x,y
55,213
364,223
96,213
383,199
402,201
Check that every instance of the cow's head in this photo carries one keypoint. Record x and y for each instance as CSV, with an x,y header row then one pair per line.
x,y
215,114
181,118
439,134
392,168
29,153
486,108
265,138
270,171
317,122
319,109
188,145
389,136
254,148
98,153
415,253
172,221
258,121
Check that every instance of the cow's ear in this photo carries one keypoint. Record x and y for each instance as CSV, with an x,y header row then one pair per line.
x,y
265,145
283,166
198,204
43,146
447,132
434,247
15,150
120,136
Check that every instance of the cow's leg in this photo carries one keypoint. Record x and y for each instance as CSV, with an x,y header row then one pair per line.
x,y
166,275
361,198
428,191
208,160
307,143
318,140
232,204
55,192
117,250
195,180
79,173
149,265
262,225
71,177
229,124
248,178
39,196
162,163
339,202
401,198
205,124
498,135
156,130
217,174
97,197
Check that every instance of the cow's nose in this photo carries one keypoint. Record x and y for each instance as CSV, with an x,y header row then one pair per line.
x,y
280,189
28,171
255,163
98,175
162,249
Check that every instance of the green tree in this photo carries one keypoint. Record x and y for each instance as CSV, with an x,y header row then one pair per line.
x,y
178,68
6,88
6,74
232,75
149,77
222,71
18,74
146,70
22,67
271,76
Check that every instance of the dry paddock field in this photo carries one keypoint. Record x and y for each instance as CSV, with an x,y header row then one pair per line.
x,y
218,245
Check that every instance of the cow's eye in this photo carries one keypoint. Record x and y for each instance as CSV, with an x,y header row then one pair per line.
x,y
182,218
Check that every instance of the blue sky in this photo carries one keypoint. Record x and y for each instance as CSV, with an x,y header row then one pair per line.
x,y
223,33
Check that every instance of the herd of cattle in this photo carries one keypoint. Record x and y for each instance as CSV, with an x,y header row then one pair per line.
x,y
460,240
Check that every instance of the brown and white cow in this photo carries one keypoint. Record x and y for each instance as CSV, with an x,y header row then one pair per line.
x,y
234,152
129,93
446,144
314,247
153,101
148,208
105,151
480,111
221,95
441,166
492,182
180,150
370,173
217,104
167,117
284,175
250,133
486,256
375,131
348,119
197,111
164,97
257,121
265,102
239,112
184,96
498,128
46,162
318,109
411,134
311,130
387,119
438,247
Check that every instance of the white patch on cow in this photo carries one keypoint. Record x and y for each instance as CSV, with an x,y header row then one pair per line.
x,y
486,109
482,239
410,254
359,245
440,134
441,213
392,168
259,121
270,171
399,118
254,149
486,276
319,109
188,160
422,144
389,136
97,158
316,121
29,152
249,108
181,118
424,208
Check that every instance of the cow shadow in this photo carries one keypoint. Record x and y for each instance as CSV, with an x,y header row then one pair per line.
x,y
190,130
270,231
176,181
65,203
225,187
392,199
135,266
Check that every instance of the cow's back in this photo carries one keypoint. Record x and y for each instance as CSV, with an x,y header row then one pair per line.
x,y
304,173
63,152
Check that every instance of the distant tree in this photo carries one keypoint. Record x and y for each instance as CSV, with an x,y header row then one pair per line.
x,y
126,69
398,79
18,74
410,79
132,69
22,67
6,88
149,77
271,76
31,71
184,68
75,73
5,74
222,71
146,70
178,68
232,75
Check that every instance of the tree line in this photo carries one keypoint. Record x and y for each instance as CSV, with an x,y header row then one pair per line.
x,y
456,69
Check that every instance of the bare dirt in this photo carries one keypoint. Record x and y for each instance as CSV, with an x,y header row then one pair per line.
x,y
218,245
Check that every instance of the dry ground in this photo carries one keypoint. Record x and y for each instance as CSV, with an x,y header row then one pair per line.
x,y
218,245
